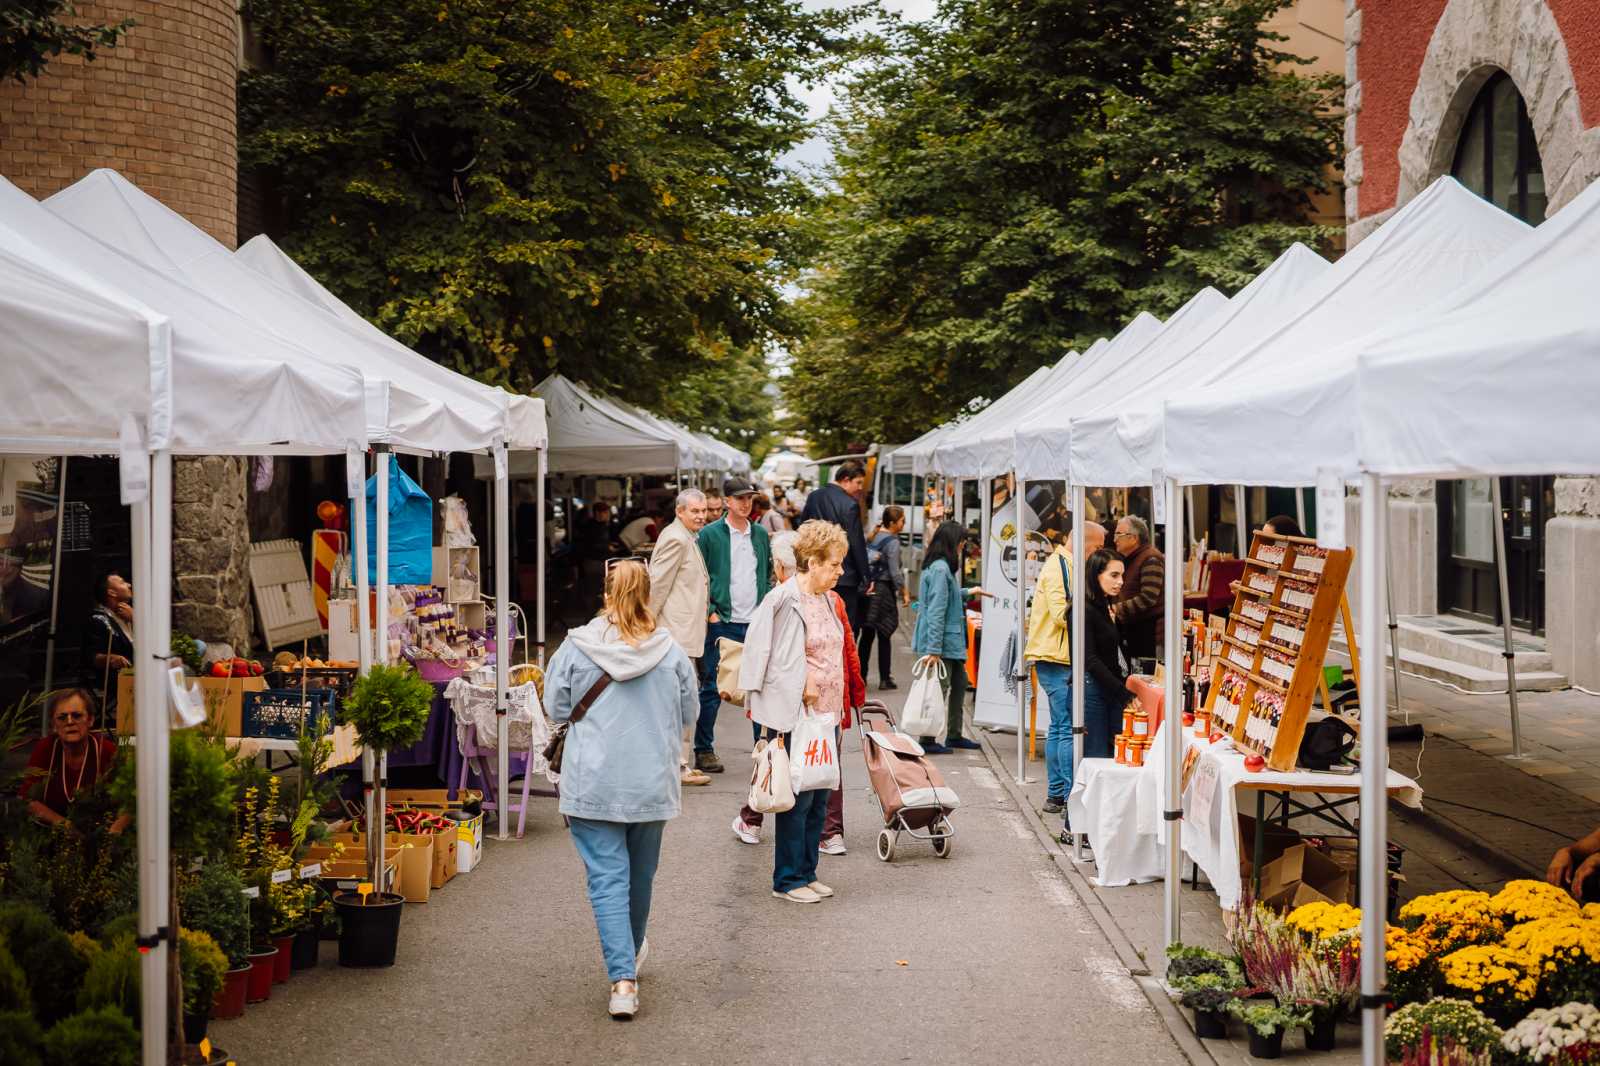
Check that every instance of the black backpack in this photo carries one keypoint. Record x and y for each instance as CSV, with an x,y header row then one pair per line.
x,y
1326,743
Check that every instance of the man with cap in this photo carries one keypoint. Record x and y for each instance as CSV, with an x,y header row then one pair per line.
x,y
738,559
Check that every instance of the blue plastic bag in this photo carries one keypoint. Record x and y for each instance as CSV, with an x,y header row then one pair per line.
x,y
410,529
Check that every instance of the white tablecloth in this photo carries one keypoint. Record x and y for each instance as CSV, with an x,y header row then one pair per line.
x,y
1120,808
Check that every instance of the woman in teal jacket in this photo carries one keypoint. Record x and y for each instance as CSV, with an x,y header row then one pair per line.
x,y
941,633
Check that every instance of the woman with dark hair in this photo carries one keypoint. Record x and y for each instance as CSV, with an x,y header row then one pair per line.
x,y
941,633
886,592
1283,526
1105,690
70,761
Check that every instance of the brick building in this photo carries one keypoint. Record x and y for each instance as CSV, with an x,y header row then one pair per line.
x,y
1505,96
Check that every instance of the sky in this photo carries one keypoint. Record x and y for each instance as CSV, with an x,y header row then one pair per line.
x,y
815,152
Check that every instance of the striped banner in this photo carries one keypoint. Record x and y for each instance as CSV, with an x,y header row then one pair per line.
x,y
327,545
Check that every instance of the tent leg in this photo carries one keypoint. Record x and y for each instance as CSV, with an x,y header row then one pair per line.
x,y
1374,774
376,825
1241,520
152,759
1300,507
55,591
1394,622
1019,669
1172,721
502,638
539,549
1080,515
1505,619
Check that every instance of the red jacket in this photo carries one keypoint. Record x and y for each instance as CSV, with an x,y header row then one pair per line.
x,y
855,686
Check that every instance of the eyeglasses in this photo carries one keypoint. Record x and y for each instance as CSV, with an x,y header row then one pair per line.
x,y
72,716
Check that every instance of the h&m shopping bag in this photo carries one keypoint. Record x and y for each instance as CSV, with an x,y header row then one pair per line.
x,y
815,761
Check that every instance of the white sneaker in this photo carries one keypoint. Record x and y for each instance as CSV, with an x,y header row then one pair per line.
x,y
748,833
833,845
803,894
623,1005
822,890
638,959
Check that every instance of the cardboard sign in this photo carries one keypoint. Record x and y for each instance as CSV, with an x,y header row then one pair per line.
x,y
1330,510
1204,795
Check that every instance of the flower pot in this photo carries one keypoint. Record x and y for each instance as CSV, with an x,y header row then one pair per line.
x,y
281,964
368,934
230,997
1266,1047
1210,1024
194,1026
1323,1032
261,964
307,945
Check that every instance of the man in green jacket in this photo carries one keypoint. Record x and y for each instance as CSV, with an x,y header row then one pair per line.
x,y
738,559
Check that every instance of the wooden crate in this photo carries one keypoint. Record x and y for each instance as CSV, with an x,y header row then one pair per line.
x,y
1274,645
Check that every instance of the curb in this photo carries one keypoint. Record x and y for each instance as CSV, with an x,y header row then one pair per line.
x,y
1178,1027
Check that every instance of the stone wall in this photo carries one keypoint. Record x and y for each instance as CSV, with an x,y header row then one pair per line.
x,y
211,550
1572,572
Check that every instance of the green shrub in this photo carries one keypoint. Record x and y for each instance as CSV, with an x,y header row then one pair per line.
x,y
13,985
389,707
113,979
20,1038
200,795
104,1037
211,902
54,969
122,925
203,965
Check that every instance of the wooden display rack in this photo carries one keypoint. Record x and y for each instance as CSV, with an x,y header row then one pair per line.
x,y
1275,642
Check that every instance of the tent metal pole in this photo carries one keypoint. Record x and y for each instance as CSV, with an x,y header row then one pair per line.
x,y
1019,669
1394,622
377,824
1374,774
356,475
544,456
1300,507
1172,713
1241,520
150,800
1080,515
55,590
1505,618
502,634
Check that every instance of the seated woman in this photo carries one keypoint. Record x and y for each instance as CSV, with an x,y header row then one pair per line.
x,y
70,761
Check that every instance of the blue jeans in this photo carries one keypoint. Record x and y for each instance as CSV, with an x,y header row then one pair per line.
x,y
705,728
1056,680
1097,712
621,860
794,857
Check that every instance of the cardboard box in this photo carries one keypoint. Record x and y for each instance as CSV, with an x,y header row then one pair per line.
x,y
433,799
349,870
415,854
469,843
224,697
443,850
1301,875
1277,841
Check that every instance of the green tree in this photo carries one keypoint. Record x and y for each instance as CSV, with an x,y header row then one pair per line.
x,y
1016,178
516,187
33,32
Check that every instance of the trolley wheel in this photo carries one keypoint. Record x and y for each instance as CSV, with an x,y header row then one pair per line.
x,y
944,842
886,843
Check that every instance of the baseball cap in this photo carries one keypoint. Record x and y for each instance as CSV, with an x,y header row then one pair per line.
x,y
738,486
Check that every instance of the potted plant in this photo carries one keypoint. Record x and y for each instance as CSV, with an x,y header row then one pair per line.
x,y
1186,961
1266,1023
203,966
1209,995
214,903
1558,1035
389,707
1419,1030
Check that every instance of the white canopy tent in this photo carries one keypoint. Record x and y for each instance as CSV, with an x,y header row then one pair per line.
x,y
89,370
589,434
448,412
1122,442
926,451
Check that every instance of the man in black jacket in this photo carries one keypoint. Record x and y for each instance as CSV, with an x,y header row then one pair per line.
x,y
840,504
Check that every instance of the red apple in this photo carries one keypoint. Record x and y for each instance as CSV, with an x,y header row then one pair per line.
x,y
1254,763
1188,718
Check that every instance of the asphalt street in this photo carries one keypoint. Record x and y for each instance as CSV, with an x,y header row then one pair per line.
x,y
987,956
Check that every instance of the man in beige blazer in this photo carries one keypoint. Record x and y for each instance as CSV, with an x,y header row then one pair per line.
x,y
680,591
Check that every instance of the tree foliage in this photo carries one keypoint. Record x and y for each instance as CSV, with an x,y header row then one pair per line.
x,y
1020,176
517,187
33,32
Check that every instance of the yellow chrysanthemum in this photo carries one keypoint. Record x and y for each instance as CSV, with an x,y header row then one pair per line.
x,y
1527,901
1491,974
1325,920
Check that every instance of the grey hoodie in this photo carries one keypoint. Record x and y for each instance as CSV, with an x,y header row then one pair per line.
x,y
621,760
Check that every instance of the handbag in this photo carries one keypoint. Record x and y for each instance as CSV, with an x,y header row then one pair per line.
x,y
730,656
771,791
924,712
557,745
815,762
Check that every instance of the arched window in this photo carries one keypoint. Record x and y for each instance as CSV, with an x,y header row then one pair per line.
x,y
1497,156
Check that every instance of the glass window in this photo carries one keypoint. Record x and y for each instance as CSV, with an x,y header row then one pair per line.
x,y
1472,520
1497,156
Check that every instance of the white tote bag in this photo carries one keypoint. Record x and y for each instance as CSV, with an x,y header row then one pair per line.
x,y
815,761
770,789
924,712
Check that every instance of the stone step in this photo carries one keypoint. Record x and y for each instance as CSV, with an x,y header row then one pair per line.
x,y
1472,643
1465,676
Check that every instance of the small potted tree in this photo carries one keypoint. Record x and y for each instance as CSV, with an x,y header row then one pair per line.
x,y
203,967
389,707
1209,995
1266,1022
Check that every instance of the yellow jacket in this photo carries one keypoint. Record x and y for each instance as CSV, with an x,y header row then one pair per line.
x,y
1049,633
